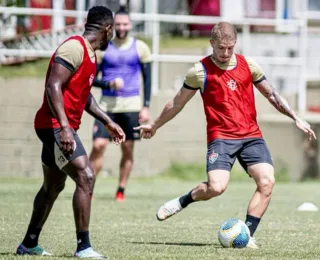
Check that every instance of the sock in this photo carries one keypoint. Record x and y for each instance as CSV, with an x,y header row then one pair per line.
x,y
120,189
252,223
185,200
83,241
31,238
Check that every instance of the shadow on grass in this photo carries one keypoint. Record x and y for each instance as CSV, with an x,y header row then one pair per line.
x,y
176,244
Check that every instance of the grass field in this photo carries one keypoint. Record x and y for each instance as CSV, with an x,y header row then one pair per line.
x,y
131,231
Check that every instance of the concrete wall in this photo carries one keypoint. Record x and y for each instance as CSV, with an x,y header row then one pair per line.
x,y
182,140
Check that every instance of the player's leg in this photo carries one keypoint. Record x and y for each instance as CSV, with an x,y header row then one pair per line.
x,y
78,167
53,184
127,121
220,159
126,164
256,159
100,143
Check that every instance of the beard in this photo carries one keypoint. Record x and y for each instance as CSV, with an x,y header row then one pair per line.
x,y
122,34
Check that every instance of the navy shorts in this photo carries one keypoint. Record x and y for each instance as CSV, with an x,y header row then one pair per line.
x,y
127,121
222,153
51,154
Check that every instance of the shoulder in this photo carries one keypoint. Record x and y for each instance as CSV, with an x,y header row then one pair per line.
x,y
70,53
144,51
195,76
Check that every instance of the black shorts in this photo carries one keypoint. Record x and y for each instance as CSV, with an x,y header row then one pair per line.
x,y
222,153
127,121
51,155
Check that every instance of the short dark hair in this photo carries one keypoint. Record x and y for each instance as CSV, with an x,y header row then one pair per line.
x,y
97,17
122,10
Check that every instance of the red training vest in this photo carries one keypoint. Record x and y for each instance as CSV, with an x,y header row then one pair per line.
x,y
75,94
228,99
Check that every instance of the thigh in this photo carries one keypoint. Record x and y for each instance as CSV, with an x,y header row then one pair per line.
x,y
53,178
220,177
221,154
128,121
99,130
261,172
52,156
80,167
254,151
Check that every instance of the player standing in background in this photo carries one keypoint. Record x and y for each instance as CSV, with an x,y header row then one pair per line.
x,y
122,65
226,81
69,79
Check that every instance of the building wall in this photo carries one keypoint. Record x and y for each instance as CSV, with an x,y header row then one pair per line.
x,y
181,140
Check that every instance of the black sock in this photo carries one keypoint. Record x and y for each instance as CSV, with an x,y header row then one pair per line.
x,y
252,223
31,238
83,241
185,200
120,189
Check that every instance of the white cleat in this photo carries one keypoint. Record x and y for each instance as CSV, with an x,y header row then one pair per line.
x,y
169,209
89,253
252,243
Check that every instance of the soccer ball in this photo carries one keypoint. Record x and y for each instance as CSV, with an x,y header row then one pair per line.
x,y
234,233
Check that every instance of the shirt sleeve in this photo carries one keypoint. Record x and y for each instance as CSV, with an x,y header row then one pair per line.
x,y
70,54
195,77
144,52
256,70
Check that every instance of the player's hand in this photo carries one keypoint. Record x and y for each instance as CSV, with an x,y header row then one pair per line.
x,y
116,132
305,127
147,131
144,116
116,84
66,141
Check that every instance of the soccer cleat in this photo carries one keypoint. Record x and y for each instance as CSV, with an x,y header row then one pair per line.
x,y
89,253
119,196
22,250
169,209
252,243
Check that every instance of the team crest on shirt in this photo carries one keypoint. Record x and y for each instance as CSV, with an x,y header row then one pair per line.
x,y
91,78
213,157
232,84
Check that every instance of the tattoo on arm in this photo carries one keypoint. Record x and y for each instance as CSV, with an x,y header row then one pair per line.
x,y
275,99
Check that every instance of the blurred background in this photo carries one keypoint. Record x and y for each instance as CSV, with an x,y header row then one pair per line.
x,y
281,35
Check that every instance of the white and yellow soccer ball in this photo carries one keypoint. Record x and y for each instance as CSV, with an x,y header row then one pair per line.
x,y
234,233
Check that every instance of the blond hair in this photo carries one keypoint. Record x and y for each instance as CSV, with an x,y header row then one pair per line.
x,y
223,31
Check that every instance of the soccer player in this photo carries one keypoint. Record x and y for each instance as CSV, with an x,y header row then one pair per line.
x,y
70,75
122,65
225,81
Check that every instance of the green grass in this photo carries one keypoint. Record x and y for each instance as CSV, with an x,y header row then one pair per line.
x,y
131,231
196,172
38,68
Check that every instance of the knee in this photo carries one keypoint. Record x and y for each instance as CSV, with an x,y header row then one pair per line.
x,y
99,146
265,185
52,191
215,189
85,179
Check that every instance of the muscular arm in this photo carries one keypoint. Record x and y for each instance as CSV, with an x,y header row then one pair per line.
x,y
275,99
94,110
59,76
174,106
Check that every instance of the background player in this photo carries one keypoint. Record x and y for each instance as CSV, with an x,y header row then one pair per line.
x,y
67,93
122,65
225,80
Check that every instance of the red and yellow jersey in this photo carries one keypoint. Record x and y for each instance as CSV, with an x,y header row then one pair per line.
x,y
75,93
228,98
